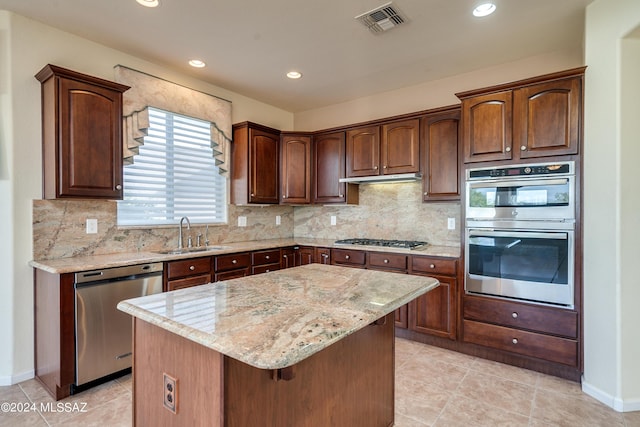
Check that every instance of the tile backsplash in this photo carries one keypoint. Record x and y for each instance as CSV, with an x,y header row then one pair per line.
x,y
386,211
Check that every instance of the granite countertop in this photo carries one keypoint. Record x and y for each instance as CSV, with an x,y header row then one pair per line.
x,y
277,319
83,263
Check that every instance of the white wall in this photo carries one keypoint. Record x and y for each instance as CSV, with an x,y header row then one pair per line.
x,y
611,199
25,47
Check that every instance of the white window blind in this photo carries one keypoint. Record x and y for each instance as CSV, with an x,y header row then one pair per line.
x,y
174,175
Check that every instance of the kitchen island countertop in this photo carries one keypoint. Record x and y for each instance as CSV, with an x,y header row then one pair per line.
x,y
275,320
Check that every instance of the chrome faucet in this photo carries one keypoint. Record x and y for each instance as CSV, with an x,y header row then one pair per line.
x,y
180,230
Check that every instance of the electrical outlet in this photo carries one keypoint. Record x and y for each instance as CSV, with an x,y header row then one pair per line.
x,y
333,220
170,392
242,221
451,223
278,219
92,226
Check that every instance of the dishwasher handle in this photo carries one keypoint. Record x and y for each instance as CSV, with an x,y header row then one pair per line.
x,y
117,272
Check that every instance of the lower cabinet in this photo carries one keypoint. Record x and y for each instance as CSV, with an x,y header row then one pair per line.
x,y
231,266
322,255
186,273
265,261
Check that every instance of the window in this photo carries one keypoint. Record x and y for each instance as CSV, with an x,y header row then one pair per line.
x,y
174,175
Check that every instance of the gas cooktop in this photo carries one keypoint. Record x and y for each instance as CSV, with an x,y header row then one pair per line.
x,y
404,244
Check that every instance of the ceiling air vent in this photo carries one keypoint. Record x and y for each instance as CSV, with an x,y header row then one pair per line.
x,y
382,18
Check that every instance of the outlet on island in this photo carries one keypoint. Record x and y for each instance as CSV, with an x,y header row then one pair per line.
x,y
170,392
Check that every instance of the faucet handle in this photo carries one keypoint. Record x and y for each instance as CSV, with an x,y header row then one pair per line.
x,y
198,238
189,242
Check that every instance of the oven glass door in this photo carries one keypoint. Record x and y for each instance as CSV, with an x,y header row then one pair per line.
x,y
521,199
529,265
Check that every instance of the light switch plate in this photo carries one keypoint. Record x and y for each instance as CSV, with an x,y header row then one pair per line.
x,y
333,220
451,223
278,219
242,221
92,226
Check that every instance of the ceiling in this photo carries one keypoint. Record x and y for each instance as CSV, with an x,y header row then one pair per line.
x,y
249,45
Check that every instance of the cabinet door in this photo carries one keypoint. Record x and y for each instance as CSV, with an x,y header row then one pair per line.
x,y
296,169
363,151
263,166
307,255
90,141
290,257
400,317
323,256
434,313
440,154
547,118
187,282
487,127
329,162
400,147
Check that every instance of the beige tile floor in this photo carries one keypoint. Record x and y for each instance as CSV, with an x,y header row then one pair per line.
x,y
434,387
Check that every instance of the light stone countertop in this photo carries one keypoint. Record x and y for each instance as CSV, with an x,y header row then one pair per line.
x,y
93,262
277,319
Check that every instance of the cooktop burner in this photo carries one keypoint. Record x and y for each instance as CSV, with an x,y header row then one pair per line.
x,y
405,244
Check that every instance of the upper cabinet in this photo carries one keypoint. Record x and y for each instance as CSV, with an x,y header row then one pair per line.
x,y
255,162
81,135
329,160
295,169
440,156
531,118
388,149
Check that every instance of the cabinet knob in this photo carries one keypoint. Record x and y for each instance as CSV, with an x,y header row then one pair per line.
x,y
375,167
384,167
284,256
325,255
267,270
118,187
386,261
252,194
508,149
523,148
192,267
514,315
234,261
267,257
284,197
515,341
347,257
432,266
340,195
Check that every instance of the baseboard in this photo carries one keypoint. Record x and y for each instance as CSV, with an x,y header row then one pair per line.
x,y
615,403
18,378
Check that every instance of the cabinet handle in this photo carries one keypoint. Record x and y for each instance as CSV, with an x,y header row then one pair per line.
x,y
340,195
432,266
386,261
347,257
515,340
118,187
192,267
233,261
284,256
325,255
514,315
523,148
508,149
284,197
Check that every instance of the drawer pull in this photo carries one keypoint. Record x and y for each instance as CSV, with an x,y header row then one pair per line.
x,y
234,261
266,257
523,148
514,315
192,267
432,266
284,256
515,340
266,271
508,149
347,257
386,261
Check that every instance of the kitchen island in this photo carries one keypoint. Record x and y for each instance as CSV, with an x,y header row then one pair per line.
x,y
310,345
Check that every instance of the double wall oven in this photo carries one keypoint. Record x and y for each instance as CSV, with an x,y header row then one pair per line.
x,y
520,232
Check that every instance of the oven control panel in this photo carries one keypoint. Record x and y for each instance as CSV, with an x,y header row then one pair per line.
x,y
522,170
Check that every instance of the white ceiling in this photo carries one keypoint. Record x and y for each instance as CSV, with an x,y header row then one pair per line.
x,y
249,45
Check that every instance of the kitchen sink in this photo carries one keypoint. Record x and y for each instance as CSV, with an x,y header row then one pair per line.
x,y
191,250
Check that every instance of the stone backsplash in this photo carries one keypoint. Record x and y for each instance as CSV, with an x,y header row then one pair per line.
x,y
386,211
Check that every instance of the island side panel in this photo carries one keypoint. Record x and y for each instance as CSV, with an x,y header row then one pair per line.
x,y
350,383
197,369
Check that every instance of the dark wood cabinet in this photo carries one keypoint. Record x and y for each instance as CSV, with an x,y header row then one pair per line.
x,y
387,149
531,118
307,255
290,257
441,156
81,135
265,261
255,164
295,169
186,273
349,258
329,162
322,255
231,266
435,312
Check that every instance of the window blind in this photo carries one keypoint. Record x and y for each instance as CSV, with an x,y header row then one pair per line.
x,y
174,175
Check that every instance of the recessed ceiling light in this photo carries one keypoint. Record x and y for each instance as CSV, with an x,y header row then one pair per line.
x,y
197,63
148,3
484,9
294,74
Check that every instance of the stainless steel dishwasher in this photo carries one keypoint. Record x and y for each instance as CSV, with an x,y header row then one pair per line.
x,y
103,333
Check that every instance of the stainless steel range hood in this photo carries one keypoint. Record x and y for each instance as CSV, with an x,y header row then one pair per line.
x,y
401,177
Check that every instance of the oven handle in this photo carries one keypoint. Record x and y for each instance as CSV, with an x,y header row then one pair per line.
x,y
521,182
532,234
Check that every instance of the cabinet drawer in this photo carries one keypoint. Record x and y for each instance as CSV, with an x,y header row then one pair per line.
x,y
387,261
554,349
265,257
422,264
188,267
548,320
265,268
344,256
187,282
232,274
232,261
